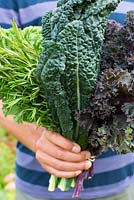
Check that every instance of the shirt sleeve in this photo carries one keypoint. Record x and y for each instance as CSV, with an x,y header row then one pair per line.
x,y
8,12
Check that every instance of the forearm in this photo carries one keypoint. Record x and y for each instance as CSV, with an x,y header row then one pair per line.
x,y
21,132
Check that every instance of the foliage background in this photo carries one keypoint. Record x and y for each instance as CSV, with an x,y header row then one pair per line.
x,y
7,163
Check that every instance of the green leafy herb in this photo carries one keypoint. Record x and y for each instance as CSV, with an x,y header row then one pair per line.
x,y
20,91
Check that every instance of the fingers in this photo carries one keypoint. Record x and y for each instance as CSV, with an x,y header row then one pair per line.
x,y
55,157
62,142
60,156
61,174
62,165
61,168
60,153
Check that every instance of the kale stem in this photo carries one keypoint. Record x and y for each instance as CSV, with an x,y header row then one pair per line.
x,y
73,183
53,181
66,183
62,184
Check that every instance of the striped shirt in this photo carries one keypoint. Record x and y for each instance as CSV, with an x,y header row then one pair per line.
x,y
113,172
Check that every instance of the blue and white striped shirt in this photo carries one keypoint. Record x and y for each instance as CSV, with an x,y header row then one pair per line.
x,y
113,172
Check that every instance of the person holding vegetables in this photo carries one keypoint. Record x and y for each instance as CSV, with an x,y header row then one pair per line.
x,y
40,151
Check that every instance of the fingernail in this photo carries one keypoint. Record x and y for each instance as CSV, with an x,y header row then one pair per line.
x,y
78,172
76,149
88,164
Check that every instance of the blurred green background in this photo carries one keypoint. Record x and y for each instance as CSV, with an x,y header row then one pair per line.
x,y
7,163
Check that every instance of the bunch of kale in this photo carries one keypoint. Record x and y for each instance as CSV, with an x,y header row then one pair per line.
x,y
68,68
109,120
73,37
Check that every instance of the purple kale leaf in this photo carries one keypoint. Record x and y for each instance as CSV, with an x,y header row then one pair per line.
x,y
119,44
110,116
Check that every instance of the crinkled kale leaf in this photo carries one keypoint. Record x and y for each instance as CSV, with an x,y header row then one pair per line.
x,y
119,44
109,119
68,69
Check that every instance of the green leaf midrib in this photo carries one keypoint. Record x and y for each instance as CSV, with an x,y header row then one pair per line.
x,y
78,85
77,75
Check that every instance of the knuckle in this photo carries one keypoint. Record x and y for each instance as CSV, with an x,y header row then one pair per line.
x,y
69,145
54,135
59,166
37,155
38,144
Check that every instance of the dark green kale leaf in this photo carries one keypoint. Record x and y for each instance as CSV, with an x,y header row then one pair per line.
x,y
68,68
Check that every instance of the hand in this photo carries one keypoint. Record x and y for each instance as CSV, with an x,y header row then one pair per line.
x,y
56,154
59,156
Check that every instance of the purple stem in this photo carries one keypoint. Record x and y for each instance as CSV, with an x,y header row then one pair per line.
x,y
86,174
91,171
